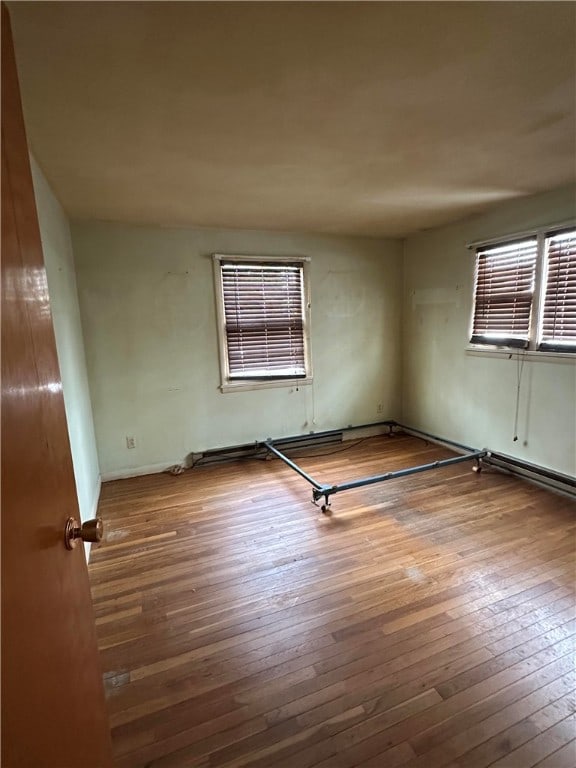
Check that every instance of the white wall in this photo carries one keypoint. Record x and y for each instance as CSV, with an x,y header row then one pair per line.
x,y
471,398
59,261
149,318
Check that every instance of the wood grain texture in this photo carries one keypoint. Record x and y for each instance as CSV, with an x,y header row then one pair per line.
x,y
430,621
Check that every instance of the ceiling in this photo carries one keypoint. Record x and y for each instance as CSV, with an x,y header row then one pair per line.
x,y
376,119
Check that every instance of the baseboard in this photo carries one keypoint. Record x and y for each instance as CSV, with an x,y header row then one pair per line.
x,y
93,513
96,497
146,469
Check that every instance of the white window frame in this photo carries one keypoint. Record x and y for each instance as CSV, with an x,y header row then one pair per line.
x,y
231,385
536,315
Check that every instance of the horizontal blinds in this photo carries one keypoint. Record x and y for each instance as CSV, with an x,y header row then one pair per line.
x,y
263,316
503,293
558,329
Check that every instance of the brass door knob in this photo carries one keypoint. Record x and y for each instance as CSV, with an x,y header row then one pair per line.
x,y
91,530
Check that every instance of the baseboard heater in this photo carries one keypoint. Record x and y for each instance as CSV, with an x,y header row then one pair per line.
x,y
548,478
258,450
292,443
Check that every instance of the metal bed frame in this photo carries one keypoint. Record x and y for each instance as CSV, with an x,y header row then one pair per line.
x,y
323,490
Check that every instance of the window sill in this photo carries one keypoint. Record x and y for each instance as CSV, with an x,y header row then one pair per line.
x,y
246,386
534,355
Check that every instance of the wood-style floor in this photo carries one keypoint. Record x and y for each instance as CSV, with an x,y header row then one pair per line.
x,y
430,621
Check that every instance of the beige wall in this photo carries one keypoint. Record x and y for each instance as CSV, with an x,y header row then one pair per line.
x,y
149,317
59,261
470,398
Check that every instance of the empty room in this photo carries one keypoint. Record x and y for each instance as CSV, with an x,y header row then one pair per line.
x,y
288,384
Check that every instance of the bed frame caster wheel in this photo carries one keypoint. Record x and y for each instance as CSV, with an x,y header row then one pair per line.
x,y
477,468
326,510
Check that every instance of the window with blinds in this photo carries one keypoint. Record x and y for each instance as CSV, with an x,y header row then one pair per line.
x,y
263,317
558,321
525,292
504,291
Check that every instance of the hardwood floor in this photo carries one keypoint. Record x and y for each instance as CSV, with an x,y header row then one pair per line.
x,y
430,621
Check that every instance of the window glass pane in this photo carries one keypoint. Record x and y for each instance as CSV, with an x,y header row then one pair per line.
x,y
264,320
558,324
504,291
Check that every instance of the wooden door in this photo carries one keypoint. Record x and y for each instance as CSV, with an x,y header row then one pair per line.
x,y
53,706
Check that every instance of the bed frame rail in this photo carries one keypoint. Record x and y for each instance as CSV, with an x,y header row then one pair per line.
x,y
321,490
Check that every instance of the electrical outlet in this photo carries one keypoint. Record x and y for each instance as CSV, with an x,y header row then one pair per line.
x,y
379,408
130,442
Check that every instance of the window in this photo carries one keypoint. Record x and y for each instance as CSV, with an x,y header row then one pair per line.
x,y
558,324
263,312
504,292
525,293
